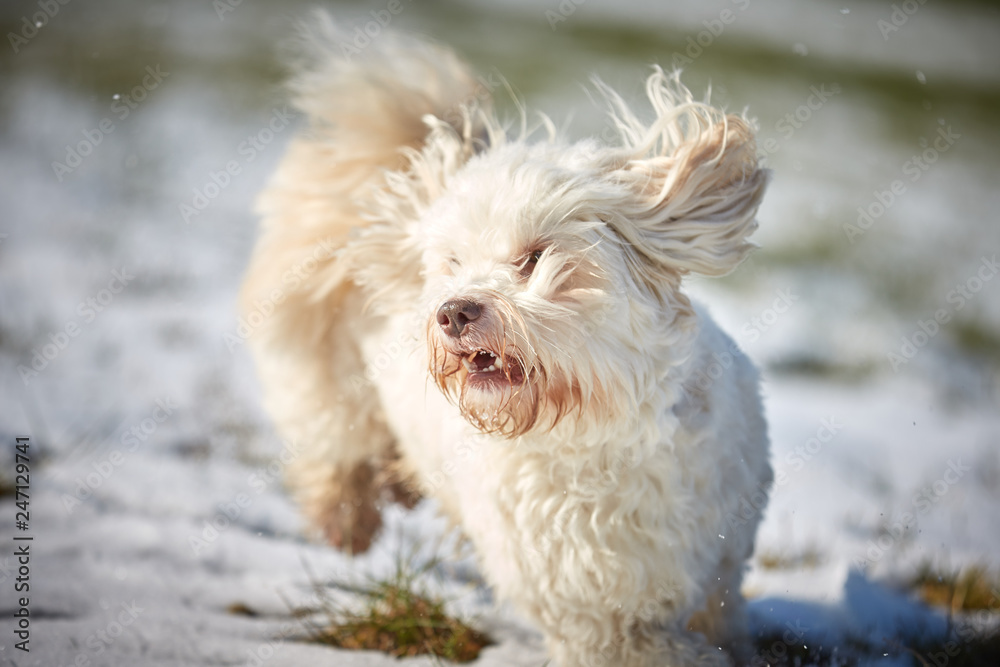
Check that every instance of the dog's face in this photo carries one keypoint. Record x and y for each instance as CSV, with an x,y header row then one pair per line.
x,y
526,289
549,275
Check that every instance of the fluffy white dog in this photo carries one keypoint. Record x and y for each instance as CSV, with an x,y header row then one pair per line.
x,y
441,306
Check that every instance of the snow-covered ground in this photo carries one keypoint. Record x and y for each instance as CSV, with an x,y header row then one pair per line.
x,y
155,503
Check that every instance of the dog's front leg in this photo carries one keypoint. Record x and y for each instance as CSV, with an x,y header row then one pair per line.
x,y
315,383
343,500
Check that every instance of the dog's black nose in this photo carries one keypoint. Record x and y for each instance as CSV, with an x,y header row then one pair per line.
x,y
455,314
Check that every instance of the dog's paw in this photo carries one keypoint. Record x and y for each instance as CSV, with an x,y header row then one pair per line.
x,y
401,493
351,518
353,529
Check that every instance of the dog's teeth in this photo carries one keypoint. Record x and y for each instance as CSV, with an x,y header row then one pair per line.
x,y
498,363
491,367
467,364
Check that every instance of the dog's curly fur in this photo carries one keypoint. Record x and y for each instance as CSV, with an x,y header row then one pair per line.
x,y
604,470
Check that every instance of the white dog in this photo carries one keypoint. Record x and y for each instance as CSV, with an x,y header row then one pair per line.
x,y
499,324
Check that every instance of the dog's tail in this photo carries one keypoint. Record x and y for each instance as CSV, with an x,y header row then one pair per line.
x,y
365,106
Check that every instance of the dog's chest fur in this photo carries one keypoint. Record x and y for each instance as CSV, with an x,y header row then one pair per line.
x,y
537,504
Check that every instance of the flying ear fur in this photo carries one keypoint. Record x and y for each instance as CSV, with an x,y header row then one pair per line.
x,y
693,179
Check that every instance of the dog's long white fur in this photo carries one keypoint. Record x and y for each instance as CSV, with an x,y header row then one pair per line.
x,y
606,496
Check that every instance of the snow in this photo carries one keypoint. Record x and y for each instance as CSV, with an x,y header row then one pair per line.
x,y
154,424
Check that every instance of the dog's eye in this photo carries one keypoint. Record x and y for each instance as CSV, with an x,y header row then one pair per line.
x,y
530,262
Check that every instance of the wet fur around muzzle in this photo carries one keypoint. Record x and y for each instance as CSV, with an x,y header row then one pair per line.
x,y
522,382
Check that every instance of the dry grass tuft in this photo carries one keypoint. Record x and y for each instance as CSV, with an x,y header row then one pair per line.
x,y
808,559
972,589
397,616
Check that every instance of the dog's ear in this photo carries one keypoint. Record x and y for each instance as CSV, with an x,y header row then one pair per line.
x,y
692,183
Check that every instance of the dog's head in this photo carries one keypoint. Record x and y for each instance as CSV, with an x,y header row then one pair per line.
x,y
549,275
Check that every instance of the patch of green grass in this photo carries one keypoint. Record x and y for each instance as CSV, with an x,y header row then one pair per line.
x,y
808,559
397,615
974,337
970,589
814,367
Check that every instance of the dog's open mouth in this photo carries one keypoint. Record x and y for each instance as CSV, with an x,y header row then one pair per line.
x,y
485,367
482,361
